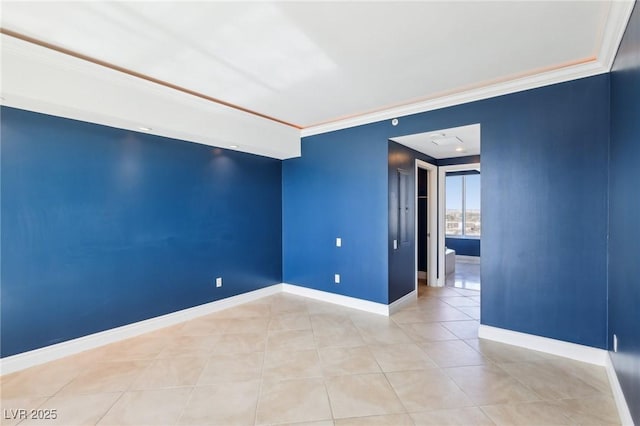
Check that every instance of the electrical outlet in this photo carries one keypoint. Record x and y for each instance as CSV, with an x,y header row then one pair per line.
x,y
615,343
338,242
219,282
336,278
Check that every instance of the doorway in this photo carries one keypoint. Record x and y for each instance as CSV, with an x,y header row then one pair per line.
x,y
442,148
460,219
426,178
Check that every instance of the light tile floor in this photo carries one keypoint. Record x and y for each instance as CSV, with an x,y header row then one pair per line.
x,y
466,275
286,360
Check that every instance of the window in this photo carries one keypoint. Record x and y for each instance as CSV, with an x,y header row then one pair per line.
x,y
463,205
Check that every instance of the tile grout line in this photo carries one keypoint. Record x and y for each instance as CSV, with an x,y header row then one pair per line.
x,y
324,381
264,359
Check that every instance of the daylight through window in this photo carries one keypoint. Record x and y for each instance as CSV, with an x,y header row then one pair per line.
x,y
463,205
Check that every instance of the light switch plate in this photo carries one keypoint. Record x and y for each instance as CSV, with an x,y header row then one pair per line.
x,y
338,242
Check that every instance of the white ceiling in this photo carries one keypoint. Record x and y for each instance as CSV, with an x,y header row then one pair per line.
x,y
279,67
430,142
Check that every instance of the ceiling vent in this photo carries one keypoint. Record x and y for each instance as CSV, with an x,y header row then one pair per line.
x,y
447,141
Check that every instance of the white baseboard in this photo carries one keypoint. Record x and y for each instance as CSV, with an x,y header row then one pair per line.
x,y
402,302
544,344
468,259
338,299
28,359
422,275
618,396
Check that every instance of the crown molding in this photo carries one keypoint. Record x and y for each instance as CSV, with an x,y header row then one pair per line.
x,y
538,80
43,80
619,14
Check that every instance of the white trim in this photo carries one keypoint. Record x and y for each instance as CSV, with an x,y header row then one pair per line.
x,y
68,87
405,300
71,347
619,15
442,174
468,259
617,20
432,214
28,359
337,299
518,85
618,396
544,344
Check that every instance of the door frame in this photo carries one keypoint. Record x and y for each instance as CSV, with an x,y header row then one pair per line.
x,y
432,222
442,173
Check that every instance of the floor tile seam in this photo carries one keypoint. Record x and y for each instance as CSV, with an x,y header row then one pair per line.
x,y
474,305
57,392
486,406
487,414
261,384
373,355
46,399
448,369
322,364
128,387
523,383
421,350
170,387
578,377
420,340
144,370
186,405
464,313
110,407
596,393
472,402
324,383
453,332
431,410
476,350
204,368
326,391
412,370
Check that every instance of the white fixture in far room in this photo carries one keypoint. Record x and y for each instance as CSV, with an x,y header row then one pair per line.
x,y
338,242
336,278
446,141
219,282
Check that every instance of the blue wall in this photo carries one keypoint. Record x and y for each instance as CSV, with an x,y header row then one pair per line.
x,y
102,227
338,188
544,198
402,261
544,201
624,214
464,246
